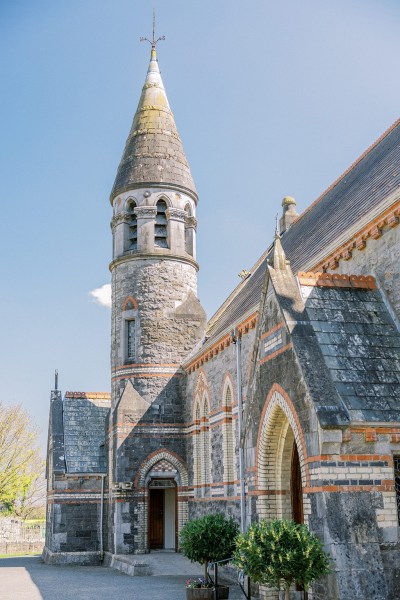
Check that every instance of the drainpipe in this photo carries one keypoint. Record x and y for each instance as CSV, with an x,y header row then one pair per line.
x,y
237,340
102,475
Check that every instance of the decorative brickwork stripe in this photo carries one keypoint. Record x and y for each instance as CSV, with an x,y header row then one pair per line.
x,y
270,331
89,395
364,282
215,499
268,492
141,375
390,217
221,344
216,484
149,365
276,353
367,487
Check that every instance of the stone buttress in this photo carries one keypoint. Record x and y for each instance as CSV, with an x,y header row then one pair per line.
x,y
156,321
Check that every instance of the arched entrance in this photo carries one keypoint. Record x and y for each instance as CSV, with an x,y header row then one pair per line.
x,y
281,466
163,506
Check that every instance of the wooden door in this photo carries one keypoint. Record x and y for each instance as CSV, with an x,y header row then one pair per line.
x,y
156,519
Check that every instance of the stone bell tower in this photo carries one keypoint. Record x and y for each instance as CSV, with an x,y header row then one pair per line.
x,y
156,316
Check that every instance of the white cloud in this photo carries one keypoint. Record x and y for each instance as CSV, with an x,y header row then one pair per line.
x,y
102,295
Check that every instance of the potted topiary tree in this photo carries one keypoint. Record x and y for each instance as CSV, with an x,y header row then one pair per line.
x,y
208,539
281,553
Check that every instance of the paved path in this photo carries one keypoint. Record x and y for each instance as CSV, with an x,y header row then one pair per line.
x,y
28,578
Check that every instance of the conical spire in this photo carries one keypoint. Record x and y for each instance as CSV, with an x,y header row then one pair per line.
x,y
153,153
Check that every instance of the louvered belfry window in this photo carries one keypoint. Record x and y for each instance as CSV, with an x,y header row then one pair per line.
x,y
132,227
130,339
160,229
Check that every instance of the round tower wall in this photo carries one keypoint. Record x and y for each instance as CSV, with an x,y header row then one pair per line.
x,y
158,287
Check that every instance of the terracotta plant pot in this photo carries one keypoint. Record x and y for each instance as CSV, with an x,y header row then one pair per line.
x,y
207,593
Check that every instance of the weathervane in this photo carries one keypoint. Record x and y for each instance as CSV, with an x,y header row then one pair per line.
x,y
154,41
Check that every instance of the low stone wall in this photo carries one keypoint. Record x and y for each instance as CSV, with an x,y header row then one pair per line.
x,y
21,547
18,537
71,558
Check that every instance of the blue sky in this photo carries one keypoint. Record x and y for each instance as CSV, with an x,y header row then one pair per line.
x,y
270,98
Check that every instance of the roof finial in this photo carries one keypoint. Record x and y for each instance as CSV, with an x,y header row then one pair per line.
x,y
153,41
56,380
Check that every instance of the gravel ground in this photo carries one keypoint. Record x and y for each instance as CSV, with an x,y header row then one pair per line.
x,y
28,578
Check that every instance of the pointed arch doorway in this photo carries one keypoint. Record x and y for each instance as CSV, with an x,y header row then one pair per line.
x,y
162,509
281,462
281,465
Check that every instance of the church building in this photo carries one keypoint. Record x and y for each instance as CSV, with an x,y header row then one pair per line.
x,y
285,404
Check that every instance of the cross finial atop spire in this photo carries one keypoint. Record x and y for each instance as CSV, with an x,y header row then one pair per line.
x,y
153,41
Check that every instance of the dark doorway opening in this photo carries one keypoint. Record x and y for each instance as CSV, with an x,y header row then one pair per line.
x,y
296,488
162,515
156,519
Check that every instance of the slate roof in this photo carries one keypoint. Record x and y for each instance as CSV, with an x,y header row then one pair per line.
x,y
244,301
153,152
360,190
84,417
360,345
373,177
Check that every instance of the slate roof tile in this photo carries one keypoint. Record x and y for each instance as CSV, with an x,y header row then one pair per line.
x,y
362,358
84,452
359,191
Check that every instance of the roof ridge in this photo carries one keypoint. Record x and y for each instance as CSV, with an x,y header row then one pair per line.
x,y
347,171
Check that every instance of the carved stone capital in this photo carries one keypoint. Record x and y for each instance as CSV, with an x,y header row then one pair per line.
x,y
145,212
176,214
191,222
121,217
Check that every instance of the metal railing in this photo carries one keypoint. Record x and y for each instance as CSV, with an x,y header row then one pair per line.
x,y
243,581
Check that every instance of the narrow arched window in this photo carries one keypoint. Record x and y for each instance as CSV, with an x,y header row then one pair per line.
x,y
160,228
197,447
132,224
229,438
130,338
206,446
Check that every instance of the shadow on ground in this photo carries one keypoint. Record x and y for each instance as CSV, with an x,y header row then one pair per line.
x,y
28,578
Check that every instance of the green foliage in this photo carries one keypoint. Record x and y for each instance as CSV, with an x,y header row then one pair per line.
x,y
22,488
208,539
280,553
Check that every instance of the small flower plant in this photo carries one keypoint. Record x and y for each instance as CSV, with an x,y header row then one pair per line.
x,y
198,582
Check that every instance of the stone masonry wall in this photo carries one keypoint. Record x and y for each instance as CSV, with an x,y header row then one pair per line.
x,y
148,390
158,287
217,497
348,479
73,518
